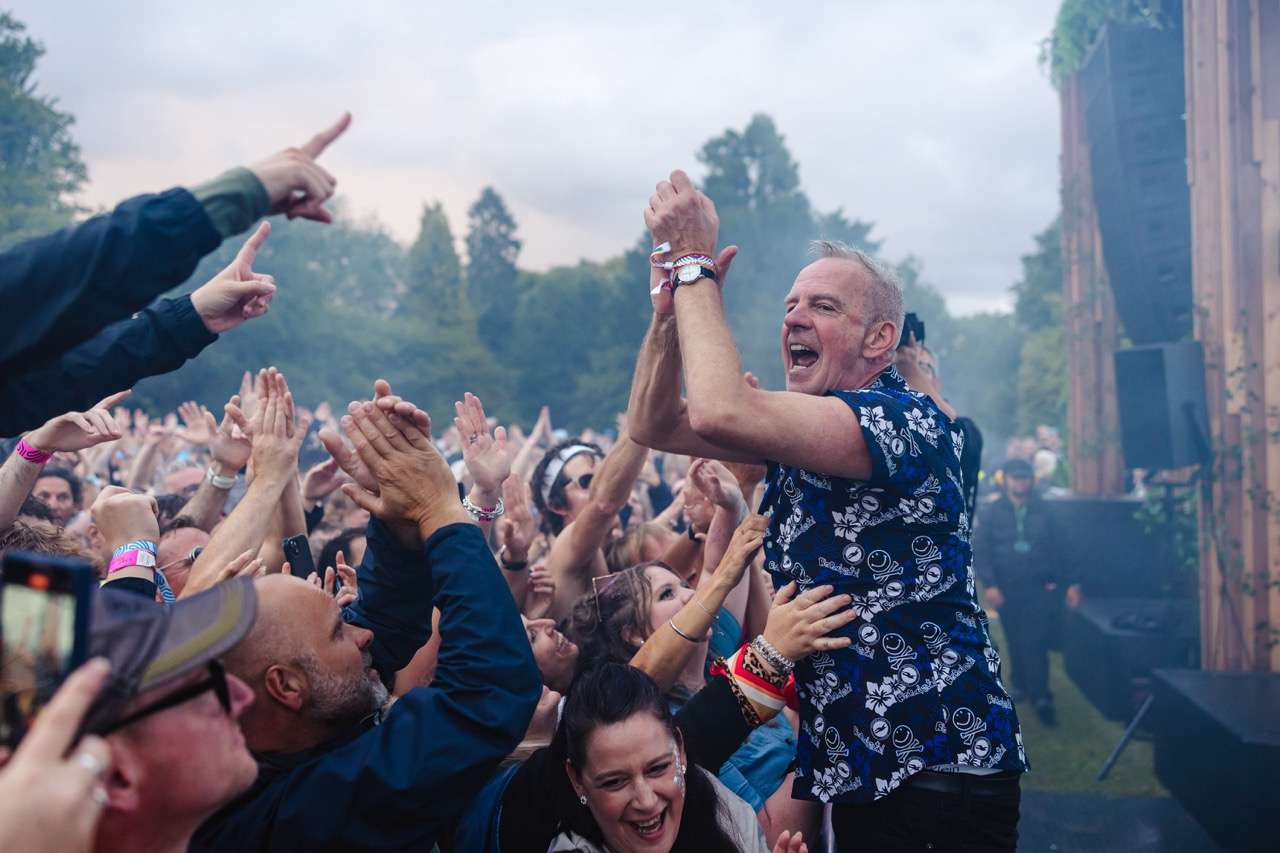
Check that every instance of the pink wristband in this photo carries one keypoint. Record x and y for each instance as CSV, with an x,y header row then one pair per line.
x,y
129,559
31,454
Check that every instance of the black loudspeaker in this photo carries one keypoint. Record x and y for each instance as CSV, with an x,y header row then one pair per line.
x,y
1217,750
1111,645
1135,101
1163,418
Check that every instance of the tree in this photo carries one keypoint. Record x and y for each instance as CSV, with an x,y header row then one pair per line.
x,y
40,165
1042,374
492,249
435,273
756,187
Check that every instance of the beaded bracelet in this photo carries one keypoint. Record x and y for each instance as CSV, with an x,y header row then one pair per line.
x,y
480,513
776,659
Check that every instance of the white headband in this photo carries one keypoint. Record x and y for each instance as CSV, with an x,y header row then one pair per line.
x,y
556,465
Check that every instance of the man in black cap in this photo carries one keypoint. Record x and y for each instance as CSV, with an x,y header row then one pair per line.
x,y
1017,556
169,713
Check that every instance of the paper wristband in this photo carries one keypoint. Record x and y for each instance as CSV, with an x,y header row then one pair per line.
x,y
32,454
129,559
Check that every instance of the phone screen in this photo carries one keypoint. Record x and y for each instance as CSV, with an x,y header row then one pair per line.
x,y
44,610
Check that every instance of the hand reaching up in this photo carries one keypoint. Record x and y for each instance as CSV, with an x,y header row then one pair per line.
x,y
79,430
237,293
516,529
296,185
274,431
413,482
486,455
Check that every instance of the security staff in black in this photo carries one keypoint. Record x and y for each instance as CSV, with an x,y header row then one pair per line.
x,y
1017,556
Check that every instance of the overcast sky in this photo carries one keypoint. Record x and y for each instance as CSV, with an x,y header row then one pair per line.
x,y
931,119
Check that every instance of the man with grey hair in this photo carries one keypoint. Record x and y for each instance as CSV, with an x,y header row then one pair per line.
x,y
905,725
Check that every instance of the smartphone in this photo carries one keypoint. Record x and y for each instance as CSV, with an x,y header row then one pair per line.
x,y
911,325
297,550
44,633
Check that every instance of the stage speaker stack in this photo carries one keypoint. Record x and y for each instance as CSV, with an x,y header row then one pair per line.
x,y
1135,101
1217,749
1164,422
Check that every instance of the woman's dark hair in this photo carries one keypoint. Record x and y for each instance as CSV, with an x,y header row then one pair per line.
x,y
611,693
600,619
341,542
552,522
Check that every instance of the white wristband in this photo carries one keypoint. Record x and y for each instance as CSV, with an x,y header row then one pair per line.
x,y
223,483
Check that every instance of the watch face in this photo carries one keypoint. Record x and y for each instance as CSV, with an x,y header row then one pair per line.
x,y
688,274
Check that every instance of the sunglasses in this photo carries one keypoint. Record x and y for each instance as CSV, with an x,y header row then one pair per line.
x,y
190,559
217,682
583,481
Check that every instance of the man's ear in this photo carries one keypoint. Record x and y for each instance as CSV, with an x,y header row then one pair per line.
x,y
879,342
123,782
285,685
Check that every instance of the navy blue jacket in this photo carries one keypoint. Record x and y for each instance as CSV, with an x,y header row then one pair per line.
x,y
397,784
65,287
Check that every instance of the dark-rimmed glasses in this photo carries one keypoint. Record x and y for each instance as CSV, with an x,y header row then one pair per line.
x,y
217,682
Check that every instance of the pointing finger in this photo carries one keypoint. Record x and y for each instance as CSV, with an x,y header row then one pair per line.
x,y
316,145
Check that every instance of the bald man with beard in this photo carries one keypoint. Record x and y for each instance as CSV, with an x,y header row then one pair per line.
x,y
338,769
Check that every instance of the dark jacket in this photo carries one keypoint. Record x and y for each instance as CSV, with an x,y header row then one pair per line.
x,y
63,287
999,558
395,785
154,341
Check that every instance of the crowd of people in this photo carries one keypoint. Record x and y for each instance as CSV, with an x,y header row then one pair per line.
x,y
694,632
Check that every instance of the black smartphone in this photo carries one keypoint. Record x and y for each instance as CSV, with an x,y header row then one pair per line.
x,y
911,326
44,633
297,550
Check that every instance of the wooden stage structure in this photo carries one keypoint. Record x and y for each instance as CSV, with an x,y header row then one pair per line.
x,y
1232,71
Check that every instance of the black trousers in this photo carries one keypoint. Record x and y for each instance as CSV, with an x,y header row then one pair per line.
x,y
980,814
1032,621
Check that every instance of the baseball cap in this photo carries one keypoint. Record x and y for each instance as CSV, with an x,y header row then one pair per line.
x,y
149,644
1018,468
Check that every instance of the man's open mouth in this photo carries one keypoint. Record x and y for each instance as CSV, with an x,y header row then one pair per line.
x,y
802,356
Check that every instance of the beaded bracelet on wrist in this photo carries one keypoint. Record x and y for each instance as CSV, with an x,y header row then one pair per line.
x,y
480,513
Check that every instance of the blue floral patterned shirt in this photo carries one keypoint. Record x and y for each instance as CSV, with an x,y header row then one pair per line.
x,y
920,685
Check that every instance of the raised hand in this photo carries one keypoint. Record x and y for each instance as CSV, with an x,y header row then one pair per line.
x,y
322,480
540,593
230,446
414,483
517,528
717,483
122,516
743,547
487,456
198,424
247,565
275,435
412,422
350,590
800,626
79,430
295,183
237,293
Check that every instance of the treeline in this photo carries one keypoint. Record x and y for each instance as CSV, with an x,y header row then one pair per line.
x,y
354,304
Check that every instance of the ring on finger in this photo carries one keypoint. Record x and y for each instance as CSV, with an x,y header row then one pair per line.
x,y
89,762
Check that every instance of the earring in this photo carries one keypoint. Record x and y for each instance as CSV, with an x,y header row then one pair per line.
x,y
582,798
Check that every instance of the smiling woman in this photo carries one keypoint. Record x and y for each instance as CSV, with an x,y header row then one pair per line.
x,y
635,789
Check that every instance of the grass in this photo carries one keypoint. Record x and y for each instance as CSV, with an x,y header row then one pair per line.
x,y
1067,757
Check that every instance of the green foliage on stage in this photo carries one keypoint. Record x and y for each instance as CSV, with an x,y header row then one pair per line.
x,y
40,165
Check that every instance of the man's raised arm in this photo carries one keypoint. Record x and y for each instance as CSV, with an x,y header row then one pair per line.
x,y
810,431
